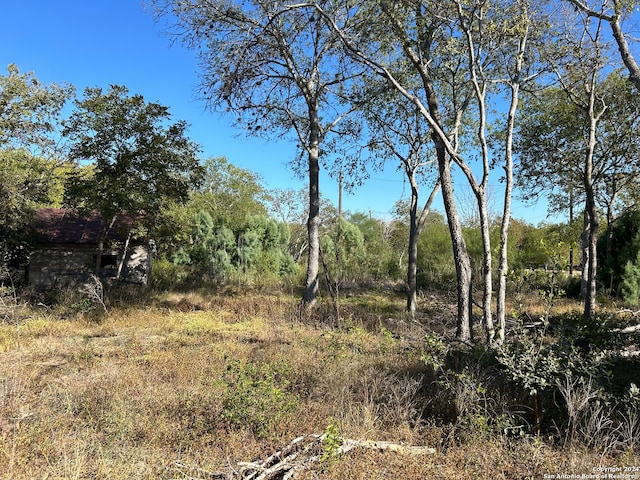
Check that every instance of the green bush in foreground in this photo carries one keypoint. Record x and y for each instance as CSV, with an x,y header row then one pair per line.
x,y
257,396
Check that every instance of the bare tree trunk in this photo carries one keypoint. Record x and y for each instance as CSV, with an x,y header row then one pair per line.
x,y
584,256
487,269
592,213
503,262
412,267
590,300
571,259
479,82
460,253
503,268
416,225
313,228
592,210
589,248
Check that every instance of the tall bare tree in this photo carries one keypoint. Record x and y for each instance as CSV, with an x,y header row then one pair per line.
x,y
399,132
454,48
419,35
614,12
276,67
562,138
522,57
590,100
499,56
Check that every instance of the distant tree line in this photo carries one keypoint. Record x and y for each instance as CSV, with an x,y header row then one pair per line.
x,y
527,93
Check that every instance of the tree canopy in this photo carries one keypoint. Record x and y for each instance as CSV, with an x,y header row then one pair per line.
x,y
30,170
130,161
30,110
138,162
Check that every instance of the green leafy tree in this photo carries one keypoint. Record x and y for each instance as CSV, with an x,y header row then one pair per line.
x,y
532,246
598,115
203,229
266,229
30,174
263,248
30,111
436,268
140,162
230,194
26,184
218,243
382,254
249,249
344,253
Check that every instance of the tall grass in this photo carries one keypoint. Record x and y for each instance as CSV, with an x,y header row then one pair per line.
x,y
211,380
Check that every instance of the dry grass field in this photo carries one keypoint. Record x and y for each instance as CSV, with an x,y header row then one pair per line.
x,y
192,385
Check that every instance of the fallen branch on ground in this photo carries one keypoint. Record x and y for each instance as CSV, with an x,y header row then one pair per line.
x,y
299,455
348,444
629,329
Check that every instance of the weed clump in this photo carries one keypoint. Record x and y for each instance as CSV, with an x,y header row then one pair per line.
x,y
257,397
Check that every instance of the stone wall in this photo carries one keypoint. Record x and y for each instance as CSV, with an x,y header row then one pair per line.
x,y
61,265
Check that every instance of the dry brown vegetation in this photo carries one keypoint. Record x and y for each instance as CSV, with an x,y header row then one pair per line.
x,y
212,380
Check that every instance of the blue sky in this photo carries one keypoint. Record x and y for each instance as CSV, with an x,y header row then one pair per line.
x,y
92,43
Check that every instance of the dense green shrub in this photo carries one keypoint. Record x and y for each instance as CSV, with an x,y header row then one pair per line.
x,y
166,274
213,253
436,268
257,396
567,379
617,247
630,279
343,251
263,248
249,248
569,373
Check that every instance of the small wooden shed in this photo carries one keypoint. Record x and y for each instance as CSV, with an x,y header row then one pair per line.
x,y
65,250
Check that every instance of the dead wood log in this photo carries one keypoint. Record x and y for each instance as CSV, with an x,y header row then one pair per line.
x,y
299,455
629,329
348,444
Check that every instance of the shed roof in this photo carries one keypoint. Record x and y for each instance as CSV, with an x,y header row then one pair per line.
x,y
58,225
